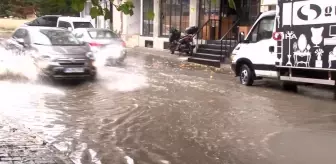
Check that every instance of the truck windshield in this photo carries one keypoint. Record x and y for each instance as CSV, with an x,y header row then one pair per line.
x,y
55,37
102,34
82,25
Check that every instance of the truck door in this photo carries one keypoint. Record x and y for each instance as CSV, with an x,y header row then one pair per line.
x,y
259,42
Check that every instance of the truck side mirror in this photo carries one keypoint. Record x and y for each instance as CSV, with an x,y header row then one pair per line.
x,y
271,49
241,37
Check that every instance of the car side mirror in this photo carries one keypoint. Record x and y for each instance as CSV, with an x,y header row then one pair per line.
x,y
271,49
241,37
20,41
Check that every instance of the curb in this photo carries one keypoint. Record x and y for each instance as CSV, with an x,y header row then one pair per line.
x,y
157,53
225,69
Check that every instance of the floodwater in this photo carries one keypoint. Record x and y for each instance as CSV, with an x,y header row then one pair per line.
x,y
151,110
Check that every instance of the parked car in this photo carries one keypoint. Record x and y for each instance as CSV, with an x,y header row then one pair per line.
x,y
103,42
56,52
67,22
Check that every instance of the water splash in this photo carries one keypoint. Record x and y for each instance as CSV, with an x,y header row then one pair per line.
x,y
16,67
125,77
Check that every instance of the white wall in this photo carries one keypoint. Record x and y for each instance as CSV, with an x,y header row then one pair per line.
x,y
193,18
116,20
134,21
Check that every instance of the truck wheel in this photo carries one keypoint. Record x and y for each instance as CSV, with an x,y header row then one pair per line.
x,y
246,76
290,86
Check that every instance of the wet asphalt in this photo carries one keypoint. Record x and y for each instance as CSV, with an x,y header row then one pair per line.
x,y
154,111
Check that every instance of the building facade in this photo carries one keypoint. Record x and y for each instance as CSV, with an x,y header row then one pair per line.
x,y
214,17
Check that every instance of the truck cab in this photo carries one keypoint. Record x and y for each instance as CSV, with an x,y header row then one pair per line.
x,y
252,58
72,23
295,44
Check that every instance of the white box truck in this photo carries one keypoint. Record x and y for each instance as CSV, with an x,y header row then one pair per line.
x,y
295,44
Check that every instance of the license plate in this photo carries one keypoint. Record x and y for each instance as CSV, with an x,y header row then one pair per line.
x,y
74,70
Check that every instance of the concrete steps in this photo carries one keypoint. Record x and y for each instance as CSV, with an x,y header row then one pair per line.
x,y
212,53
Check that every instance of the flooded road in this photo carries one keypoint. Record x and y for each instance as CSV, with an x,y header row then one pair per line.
x,y
154,111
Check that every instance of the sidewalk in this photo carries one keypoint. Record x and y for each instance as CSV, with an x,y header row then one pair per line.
x,y
18,145
225,68
5,34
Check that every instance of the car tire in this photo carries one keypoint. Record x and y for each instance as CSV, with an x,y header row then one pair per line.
x,y
246,75
93,78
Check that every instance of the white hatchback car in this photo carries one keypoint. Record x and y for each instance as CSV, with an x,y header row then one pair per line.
x,y
104,43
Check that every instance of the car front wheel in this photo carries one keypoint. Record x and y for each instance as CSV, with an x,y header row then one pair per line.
x,y
246,75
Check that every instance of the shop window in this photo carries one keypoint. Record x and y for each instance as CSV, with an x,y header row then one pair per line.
x,y
174,14
149,43
148,6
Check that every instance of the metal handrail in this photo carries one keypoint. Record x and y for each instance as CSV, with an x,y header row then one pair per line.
x,y
224,36
230,29
199,30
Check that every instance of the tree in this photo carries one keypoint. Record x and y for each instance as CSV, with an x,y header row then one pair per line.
x,y
4,9
52,7
125,7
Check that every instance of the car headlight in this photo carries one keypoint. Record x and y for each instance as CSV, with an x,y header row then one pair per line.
x,y
46,61
90,55
232,56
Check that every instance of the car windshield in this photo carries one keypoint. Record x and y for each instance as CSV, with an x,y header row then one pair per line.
x,y
55,37
102,34
82,25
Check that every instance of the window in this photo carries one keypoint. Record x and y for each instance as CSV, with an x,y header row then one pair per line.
x,y
64,24
55,37
174,14
52,21
148,6
82,25
49,21
263,30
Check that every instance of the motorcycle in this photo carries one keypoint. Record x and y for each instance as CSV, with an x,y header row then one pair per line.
x,y
182,44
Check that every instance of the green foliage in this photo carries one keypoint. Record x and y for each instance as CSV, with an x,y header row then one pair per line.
x,y
56,7
150,15
232,4
42,7
4,9
78,5
126,8
65,7
98,10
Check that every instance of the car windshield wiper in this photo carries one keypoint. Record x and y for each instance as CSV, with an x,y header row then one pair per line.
x,y
40,44
66,44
